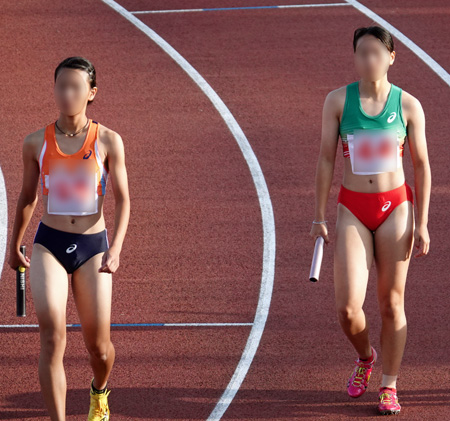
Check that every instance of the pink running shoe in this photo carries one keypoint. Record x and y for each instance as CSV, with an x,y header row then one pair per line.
x,y
359,380
388,404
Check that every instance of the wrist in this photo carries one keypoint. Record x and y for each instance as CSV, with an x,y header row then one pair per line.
x,y
115,247
319,222
13,247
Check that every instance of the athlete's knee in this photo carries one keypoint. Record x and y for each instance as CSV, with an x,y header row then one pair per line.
x,y
348,312
100,350
53,342
392,307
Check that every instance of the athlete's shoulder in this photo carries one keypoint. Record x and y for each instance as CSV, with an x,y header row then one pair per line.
x,y
35,137
335,100
34,141
411,106
410,100
108,136
111,141
338,94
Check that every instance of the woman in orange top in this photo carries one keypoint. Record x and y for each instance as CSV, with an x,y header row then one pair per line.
x,y
72,159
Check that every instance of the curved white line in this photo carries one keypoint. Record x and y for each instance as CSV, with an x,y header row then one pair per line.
x,y
425,57
268,222
3,221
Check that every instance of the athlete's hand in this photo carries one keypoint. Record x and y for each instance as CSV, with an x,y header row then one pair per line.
x,y
319,230
110,261
421,240
16,259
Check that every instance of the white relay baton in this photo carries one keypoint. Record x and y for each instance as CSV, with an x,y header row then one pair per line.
x,y
316,260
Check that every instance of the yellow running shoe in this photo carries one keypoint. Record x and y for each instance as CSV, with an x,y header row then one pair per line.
x,y
99,410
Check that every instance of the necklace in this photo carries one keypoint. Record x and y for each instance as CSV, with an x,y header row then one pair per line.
x,y
71,134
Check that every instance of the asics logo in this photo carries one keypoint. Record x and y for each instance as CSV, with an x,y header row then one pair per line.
x,y
71,248
392,116
386,206
87,155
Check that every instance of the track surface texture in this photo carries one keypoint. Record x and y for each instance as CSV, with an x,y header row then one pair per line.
x,y
194,250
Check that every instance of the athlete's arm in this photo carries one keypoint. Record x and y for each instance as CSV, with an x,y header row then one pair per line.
x,y
118,174
327,155
27,199
415,122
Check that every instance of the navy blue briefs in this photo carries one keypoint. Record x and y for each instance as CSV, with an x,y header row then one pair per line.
x,y
70,249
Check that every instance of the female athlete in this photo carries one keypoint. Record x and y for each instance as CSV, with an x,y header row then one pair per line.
x,y
72,159
375,219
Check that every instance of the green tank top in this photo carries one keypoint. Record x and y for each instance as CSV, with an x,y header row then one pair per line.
x,y
354,117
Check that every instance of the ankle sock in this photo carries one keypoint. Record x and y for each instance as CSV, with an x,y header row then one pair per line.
x,y
389,382
96,391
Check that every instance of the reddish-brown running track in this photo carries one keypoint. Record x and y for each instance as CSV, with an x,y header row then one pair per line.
x,y
195,245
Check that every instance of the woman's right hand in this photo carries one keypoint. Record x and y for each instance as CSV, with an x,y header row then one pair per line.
x,y
16,259
319,230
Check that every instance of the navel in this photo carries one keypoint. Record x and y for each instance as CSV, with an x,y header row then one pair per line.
x,y
72,221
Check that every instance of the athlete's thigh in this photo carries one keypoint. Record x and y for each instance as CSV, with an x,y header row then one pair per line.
x,y
393,247
353,257
49,288
93,293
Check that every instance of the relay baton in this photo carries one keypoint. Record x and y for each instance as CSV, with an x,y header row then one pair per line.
x,y
21,288
316,260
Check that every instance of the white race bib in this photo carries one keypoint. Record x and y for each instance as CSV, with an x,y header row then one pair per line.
x,y
374,151
72,187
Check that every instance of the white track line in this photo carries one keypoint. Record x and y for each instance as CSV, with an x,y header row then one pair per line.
x,y
20,326
291,6
426,58
265,203
3,221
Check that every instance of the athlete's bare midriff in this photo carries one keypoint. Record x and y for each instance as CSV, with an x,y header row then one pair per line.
x,y
375,183
88,224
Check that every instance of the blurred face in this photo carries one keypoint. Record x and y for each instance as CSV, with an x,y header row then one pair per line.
x,y
372,58
73,91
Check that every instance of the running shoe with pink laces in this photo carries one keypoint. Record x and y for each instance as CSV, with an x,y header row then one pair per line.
x,y
388,401
359,380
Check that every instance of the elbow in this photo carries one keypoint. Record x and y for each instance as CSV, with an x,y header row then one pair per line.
x,y
123,201
422,167
325,165
28,199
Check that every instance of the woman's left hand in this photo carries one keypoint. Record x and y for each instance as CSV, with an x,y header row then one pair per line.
x,y
421,240
110,261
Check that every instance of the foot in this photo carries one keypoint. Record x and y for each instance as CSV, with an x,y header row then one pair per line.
x,y
388,401
99,410
359,380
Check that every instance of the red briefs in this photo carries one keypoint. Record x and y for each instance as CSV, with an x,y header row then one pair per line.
x,y
372,209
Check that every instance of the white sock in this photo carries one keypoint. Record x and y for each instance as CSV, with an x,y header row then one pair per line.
x,y
389,381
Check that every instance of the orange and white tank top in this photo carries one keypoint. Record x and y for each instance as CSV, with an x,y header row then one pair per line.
x,y
73,182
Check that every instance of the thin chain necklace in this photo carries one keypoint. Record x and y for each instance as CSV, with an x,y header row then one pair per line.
x,y
71,134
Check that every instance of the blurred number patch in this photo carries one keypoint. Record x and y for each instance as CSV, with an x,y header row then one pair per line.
x,y
374,152
72,188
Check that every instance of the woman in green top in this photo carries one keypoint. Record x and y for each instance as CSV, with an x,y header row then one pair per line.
x,y
375,216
